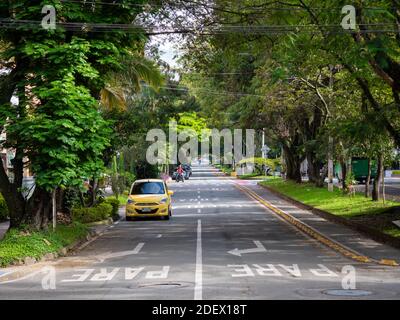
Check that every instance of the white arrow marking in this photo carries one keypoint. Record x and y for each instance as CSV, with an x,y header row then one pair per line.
x,y
260,248
121,253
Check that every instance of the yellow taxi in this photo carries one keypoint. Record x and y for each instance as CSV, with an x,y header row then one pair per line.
x,y
149,198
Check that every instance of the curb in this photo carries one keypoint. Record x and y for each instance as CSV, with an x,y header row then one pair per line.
x,y
105,222
313,233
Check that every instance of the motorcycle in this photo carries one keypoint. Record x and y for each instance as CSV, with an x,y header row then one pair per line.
x,y
180,177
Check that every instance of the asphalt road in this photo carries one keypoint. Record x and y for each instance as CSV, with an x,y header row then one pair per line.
x,y
392,188
219,244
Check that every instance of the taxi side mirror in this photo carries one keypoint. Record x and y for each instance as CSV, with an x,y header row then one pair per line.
x,y
170,192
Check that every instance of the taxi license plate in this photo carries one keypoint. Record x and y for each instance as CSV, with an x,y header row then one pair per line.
x,y
146,210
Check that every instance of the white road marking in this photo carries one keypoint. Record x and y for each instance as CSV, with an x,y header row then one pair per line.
x,y
198,288
3,274
198,210
259,248
131,273
122,253
159,236
104,275
163,274
22,278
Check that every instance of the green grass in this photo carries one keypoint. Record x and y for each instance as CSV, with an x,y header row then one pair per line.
x,y
255,177
333,202
224,168
18,244
358,207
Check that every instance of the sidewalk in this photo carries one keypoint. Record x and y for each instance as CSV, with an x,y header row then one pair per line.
x,y
340,233
3,228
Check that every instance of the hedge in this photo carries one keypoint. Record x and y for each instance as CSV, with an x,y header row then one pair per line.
x,y
115,207
3,209
86,215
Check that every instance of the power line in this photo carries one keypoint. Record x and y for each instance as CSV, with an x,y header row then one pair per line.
x,y
199,4
221,93
131,28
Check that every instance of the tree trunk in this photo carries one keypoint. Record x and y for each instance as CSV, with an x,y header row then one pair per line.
x,y
293,163
376,196
314,170
344,175
93,191
368,181
38,209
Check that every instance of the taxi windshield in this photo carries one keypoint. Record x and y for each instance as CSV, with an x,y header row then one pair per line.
x,y
148,188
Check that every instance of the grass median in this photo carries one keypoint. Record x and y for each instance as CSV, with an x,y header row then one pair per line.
x,y
17,244
358,208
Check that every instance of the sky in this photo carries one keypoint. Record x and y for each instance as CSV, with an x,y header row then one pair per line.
x,y
167,50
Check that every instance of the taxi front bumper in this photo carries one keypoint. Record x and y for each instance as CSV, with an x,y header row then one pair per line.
x,y
160,210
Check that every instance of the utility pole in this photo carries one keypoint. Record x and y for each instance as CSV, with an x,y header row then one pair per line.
x,y
330,165
54,204
330,140
265,149
263,144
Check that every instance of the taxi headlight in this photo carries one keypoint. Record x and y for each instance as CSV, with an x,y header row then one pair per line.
x,y
130,201
163,200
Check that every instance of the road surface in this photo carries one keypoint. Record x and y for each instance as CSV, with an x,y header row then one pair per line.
x,y
219,244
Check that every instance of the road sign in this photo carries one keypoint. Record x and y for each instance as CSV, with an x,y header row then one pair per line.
x,y
265,149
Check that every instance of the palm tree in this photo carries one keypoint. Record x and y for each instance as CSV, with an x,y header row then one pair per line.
x,y
137,69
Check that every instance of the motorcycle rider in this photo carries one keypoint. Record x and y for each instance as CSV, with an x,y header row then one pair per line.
x,y
180,172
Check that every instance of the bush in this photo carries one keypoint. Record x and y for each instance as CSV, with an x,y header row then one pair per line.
x,y
3,209
18,244
87,215
70,199
115,207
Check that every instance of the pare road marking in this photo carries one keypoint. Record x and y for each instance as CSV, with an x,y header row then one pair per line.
x,y
272,270
105,274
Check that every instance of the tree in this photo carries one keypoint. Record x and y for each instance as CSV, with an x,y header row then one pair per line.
x,y
120,85
57,76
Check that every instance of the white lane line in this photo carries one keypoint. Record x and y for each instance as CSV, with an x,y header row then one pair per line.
x,y
3,274
159,236
198,288
198,210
